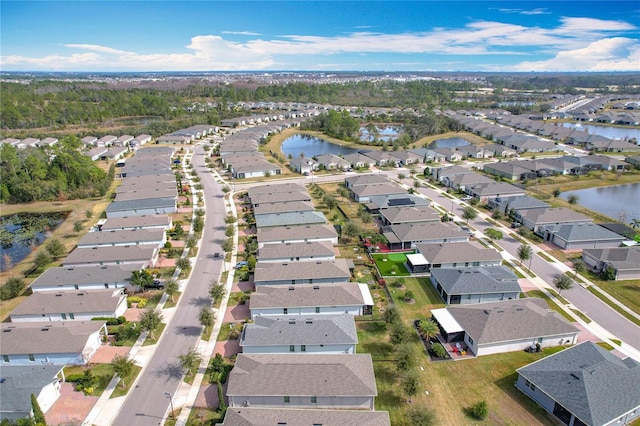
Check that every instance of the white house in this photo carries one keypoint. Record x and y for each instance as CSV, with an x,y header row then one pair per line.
x,y
94,277
57,342
18,383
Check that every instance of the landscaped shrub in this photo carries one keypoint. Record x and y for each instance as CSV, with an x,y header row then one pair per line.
x,y
439,350
141,301
480,410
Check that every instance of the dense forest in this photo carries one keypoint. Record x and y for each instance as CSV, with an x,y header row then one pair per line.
x,y
59,173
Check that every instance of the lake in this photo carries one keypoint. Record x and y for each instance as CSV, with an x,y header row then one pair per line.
x,y
619,202
21,233
387,133
606,131
311,146
450,143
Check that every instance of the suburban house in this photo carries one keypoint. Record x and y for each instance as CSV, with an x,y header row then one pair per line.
x,y
461,182
506,205
322,381
133,237
96,153
296,234
381,158
487,190
625,261
275,187
121,255
359,161
19,382
57,342
348,298
257,168
368,179
290,273
303,165
303,252
450,255
378,203
570,236
536,218
146,206
279,416
284,207
363,193
584,385
77,305
409,214
509,170
319,334
279,197
475,284
507,326
332,162
156,221
311,217
449,172
407,235
94,277
140,194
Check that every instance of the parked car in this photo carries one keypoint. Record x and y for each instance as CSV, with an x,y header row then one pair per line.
x,y
216,255
241,264
156,284
516,225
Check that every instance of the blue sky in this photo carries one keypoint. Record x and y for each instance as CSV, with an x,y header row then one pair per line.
x,y
311,35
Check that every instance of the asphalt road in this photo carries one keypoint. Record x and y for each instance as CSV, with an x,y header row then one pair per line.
x,y
147,403
581,298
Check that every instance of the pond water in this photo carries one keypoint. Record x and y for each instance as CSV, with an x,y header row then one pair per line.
x,y
619,202
606,131
311,146
21,233
450,143
387,133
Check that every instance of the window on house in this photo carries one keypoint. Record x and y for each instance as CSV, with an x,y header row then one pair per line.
x,y
303,348
287,400
32,358
530,385
285,311
64,316
71,316
314,399
5,358
317,309
292,348
470,340
106,285
76,286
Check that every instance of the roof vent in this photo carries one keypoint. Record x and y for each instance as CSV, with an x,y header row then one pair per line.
x,y
6,331
309,321
292,288
575,377
44,329
2,380
58,295
486,311
316,287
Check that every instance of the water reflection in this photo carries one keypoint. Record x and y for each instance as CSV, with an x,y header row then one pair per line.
x,y
450,143
606,131
387,133
311,146
615,201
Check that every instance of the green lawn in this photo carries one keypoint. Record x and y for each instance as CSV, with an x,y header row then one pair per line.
x,y
228,329
121,391
425,296
103,373
158,332
389,268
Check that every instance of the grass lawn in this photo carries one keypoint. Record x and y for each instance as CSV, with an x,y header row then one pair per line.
x,y
227,329
202,416
599,295
389,268
452,385
158,332
172,303
131,377
103,372
627,291
425,296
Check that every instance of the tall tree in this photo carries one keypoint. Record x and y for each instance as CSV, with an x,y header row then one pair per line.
x,y
572,200
206,316
410,384
190,359
469,213
149,321
525,252
172,289
562,282
216,291
122,365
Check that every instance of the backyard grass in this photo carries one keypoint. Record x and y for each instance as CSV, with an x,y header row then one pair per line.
x,y
227,329
121,391
389,268
202,416
453,386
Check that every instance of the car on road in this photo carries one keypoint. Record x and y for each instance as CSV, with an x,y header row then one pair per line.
x,y
216,255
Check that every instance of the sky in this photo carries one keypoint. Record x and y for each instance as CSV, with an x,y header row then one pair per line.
x,y
306,35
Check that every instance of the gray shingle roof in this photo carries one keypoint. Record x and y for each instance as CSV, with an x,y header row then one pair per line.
x,y
575,232
592,383
84,275
510,320
19,382
365,179
290,219
77,302
427,231
388,201
61,337
302,375
276,187
142,204
553,215
410,214
457,252
320,269
347,294
300,330
621,258
275,416
287,233
293,250
475,280
279,197
378,189
136,222
110,254
291,206
133,236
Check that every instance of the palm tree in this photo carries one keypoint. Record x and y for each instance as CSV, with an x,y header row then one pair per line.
x,y
172,289
525,252
149,321
428,327
190,359
562,282
635,223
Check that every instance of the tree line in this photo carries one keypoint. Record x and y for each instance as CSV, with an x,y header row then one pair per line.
x,y
56,173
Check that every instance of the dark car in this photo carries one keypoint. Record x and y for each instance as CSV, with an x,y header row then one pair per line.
x,y
216,255
156,284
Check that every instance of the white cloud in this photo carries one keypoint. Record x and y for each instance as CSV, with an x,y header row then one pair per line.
x,y
611,54
246,33
566,43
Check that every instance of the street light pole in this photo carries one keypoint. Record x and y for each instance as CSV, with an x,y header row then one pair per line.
x,y
168,395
